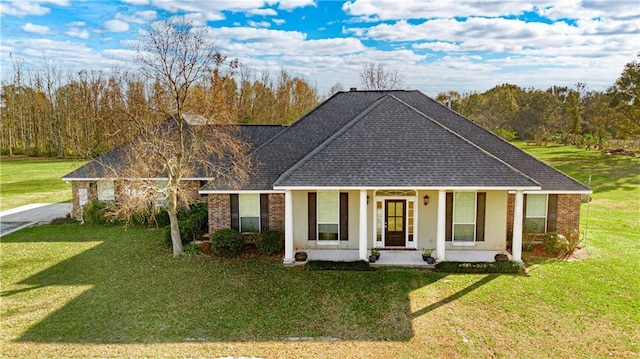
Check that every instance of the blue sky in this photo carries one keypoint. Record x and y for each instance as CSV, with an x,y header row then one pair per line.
x,y
436,45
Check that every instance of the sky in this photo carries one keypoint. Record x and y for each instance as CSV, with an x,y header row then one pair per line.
x,y
437,46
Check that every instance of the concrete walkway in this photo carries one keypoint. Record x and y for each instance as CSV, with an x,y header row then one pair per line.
x,y
15,219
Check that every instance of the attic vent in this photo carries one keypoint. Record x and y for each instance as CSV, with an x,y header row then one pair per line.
x,y
353,89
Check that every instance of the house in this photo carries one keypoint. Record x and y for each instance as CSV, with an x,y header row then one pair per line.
x,y
385,169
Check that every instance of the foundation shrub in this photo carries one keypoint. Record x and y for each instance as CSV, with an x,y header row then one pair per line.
x,y
555,243
97,212
479,267
227,243
193,223
269,242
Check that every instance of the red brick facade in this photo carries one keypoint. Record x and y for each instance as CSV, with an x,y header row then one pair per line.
x,y
219,212
569,214
276,212
568,220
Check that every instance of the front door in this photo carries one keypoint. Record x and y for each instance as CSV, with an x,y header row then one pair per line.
x,y
394,222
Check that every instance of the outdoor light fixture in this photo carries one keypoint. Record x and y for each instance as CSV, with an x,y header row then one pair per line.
x,y
426,199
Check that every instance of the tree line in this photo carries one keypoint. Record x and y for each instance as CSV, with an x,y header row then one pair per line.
x,y
558,114
84,114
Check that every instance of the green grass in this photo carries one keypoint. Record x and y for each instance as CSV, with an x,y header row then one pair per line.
x,y
25,181
83,291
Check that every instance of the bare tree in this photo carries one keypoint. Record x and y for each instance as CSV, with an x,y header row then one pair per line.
x,y
337,87
162,157
377,77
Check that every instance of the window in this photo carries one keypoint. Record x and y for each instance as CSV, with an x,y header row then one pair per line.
x,y
536,213
106,191
161,192
464,216
328,215
410,216
379,220
249,212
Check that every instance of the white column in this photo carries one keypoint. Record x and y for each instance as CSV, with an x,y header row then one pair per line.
x,y
440,234
516,242
288,228
362,228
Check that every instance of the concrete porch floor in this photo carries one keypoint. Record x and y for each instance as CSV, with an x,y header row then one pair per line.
x,y
401,258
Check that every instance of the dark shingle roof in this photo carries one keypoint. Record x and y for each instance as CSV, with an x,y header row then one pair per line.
x,y
254,135
291,145
392,144
381,138
549,178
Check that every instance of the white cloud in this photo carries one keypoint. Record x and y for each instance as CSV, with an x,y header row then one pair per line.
x,y
22,8
419,9
437,46
139,17
207,6
577,9
278,21
36,29
136,2
499,35
258,23
67,55
262,12
77,32
194,18
292,4
115,26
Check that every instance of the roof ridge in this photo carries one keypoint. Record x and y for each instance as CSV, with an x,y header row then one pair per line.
x,y
331,138
289,127
489,154
507,143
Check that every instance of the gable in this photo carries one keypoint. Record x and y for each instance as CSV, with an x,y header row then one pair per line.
x,y
549,178
392,144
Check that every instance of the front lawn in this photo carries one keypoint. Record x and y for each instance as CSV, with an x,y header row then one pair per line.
x,y
26,180
83,291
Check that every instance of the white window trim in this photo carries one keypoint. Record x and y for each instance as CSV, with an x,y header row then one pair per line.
x,y
319,241
110,190
453,222
240,216
374,230
546,211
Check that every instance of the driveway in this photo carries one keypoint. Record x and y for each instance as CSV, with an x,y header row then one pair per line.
x,y
18,218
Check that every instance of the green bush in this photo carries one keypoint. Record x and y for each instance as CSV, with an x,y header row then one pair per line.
x,y
479,267
331,265
269,242
554,243
192,222
227,243
191,250
97,212
161,217
506,133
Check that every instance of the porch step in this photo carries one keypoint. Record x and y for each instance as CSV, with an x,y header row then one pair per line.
x,y
397,249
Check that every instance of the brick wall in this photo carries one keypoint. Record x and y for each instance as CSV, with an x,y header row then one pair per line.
x,y
219,212
568,214
276,212
92,194
568,220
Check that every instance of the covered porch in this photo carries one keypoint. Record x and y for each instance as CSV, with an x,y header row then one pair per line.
x,y
401,258
431,234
